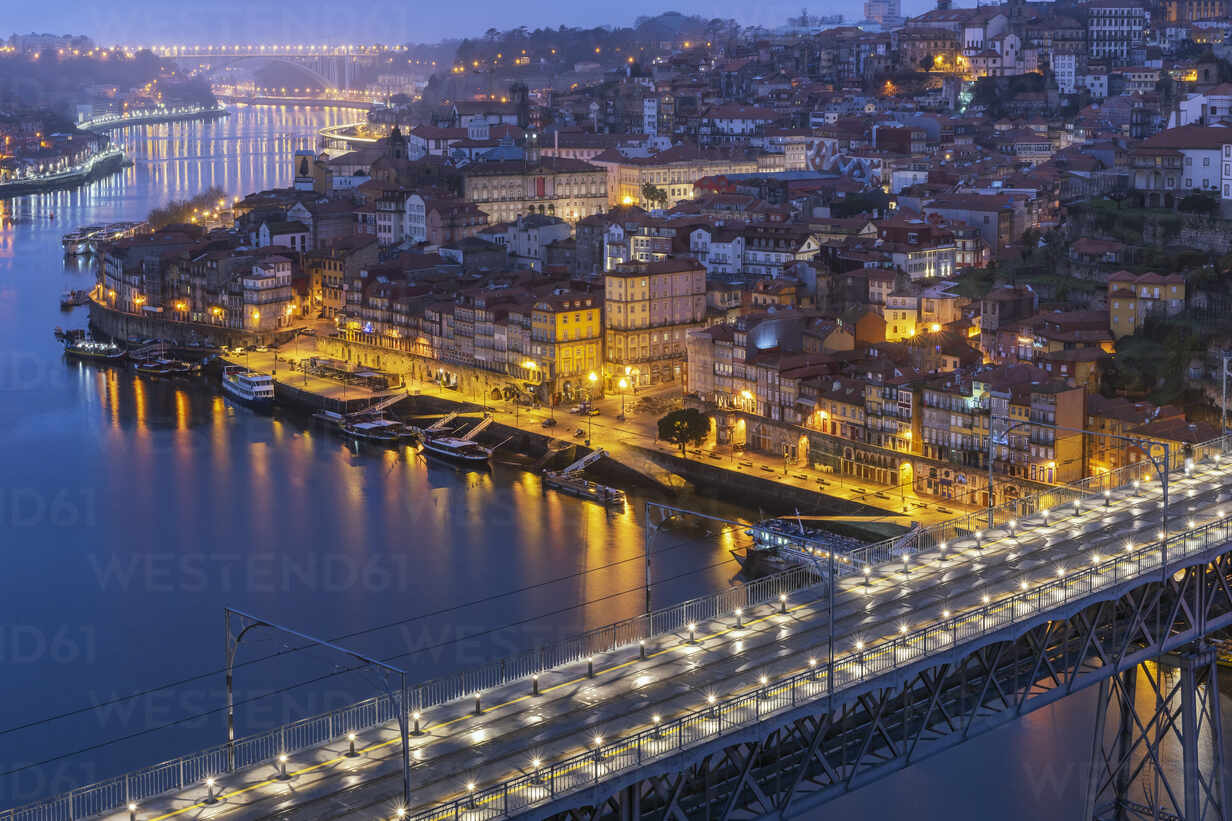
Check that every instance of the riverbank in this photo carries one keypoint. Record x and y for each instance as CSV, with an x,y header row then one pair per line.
x,y
154,117
100,165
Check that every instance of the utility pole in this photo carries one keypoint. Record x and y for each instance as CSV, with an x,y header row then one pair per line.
x,y
1224,356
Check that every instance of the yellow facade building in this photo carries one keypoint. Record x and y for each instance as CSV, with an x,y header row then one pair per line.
x,y
567,343
1132,298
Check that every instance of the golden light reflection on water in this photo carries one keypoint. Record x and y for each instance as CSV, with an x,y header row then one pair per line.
x,y
139,407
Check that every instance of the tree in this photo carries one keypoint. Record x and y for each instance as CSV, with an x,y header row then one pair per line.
x,y
684,427
653,194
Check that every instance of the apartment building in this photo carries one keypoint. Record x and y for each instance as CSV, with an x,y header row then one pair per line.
x,y
566,343
1034,421
1115,29
1132,298
649,309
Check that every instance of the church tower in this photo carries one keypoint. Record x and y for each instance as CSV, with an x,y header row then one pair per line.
x,y
395,146
519,95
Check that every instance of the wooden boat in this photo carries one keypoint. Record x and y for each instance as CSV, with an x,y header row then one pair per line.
x,y
94,351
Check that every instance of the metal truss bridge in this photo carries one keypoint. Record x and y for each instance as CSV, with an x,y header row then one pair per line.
x,y
774,698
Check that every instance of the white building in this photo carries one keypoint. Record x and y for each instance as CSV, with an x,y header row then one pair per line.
x,y
1115,28
719,250
650,117
415,219
1065,69
1204,109
1096,83
530,236
293,235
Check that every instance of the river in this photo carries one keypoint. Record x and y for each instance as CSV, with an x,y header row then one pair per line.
x,y
134,511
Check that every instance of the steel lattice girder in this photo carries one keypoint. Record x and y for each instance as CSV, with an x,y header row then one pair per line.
x,y
1186,695
800,759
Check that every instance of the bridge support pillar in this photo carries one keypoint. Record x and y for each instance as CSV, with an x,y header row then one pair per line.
x,y
630,799
1150,719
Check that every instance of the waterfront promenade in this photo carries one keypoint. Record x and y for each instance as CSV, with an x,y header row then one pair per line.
x,y
153,116
104,162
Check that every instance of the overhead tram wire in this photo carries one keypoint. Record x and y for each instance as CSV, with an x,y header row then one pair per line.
x,y
206,713
442,611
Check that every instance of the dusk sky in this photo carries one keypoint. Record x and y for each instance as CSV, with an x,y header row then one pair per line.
x,y
139,22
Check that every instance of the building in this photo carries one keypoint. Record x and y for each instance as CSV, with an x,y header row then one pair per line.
x,y
1000,218
649,308
558,187
292,235
672,172
267,297
566,343
1115,29
528,239
331,268
1132,298
1035,421
921,249
732,123
1175,162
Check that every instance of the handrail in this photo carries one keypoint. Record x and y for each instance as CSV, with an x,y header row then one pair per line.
x,y
929,538
812,683
263,748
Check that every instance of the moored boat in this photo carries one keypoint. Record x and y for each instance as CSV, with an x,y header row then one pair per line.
x,y
166,367
251,388
584,488
329,418
153,367
785,541
94,350
377,429
456,448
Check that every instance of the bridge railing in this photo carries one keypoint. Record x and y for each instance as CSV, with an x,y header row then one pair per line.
x,y
259,749
852,669
1091,488
611,637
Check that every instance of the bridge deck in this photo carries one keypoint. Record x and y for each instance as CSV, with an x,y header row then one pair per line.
x,y
459,747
